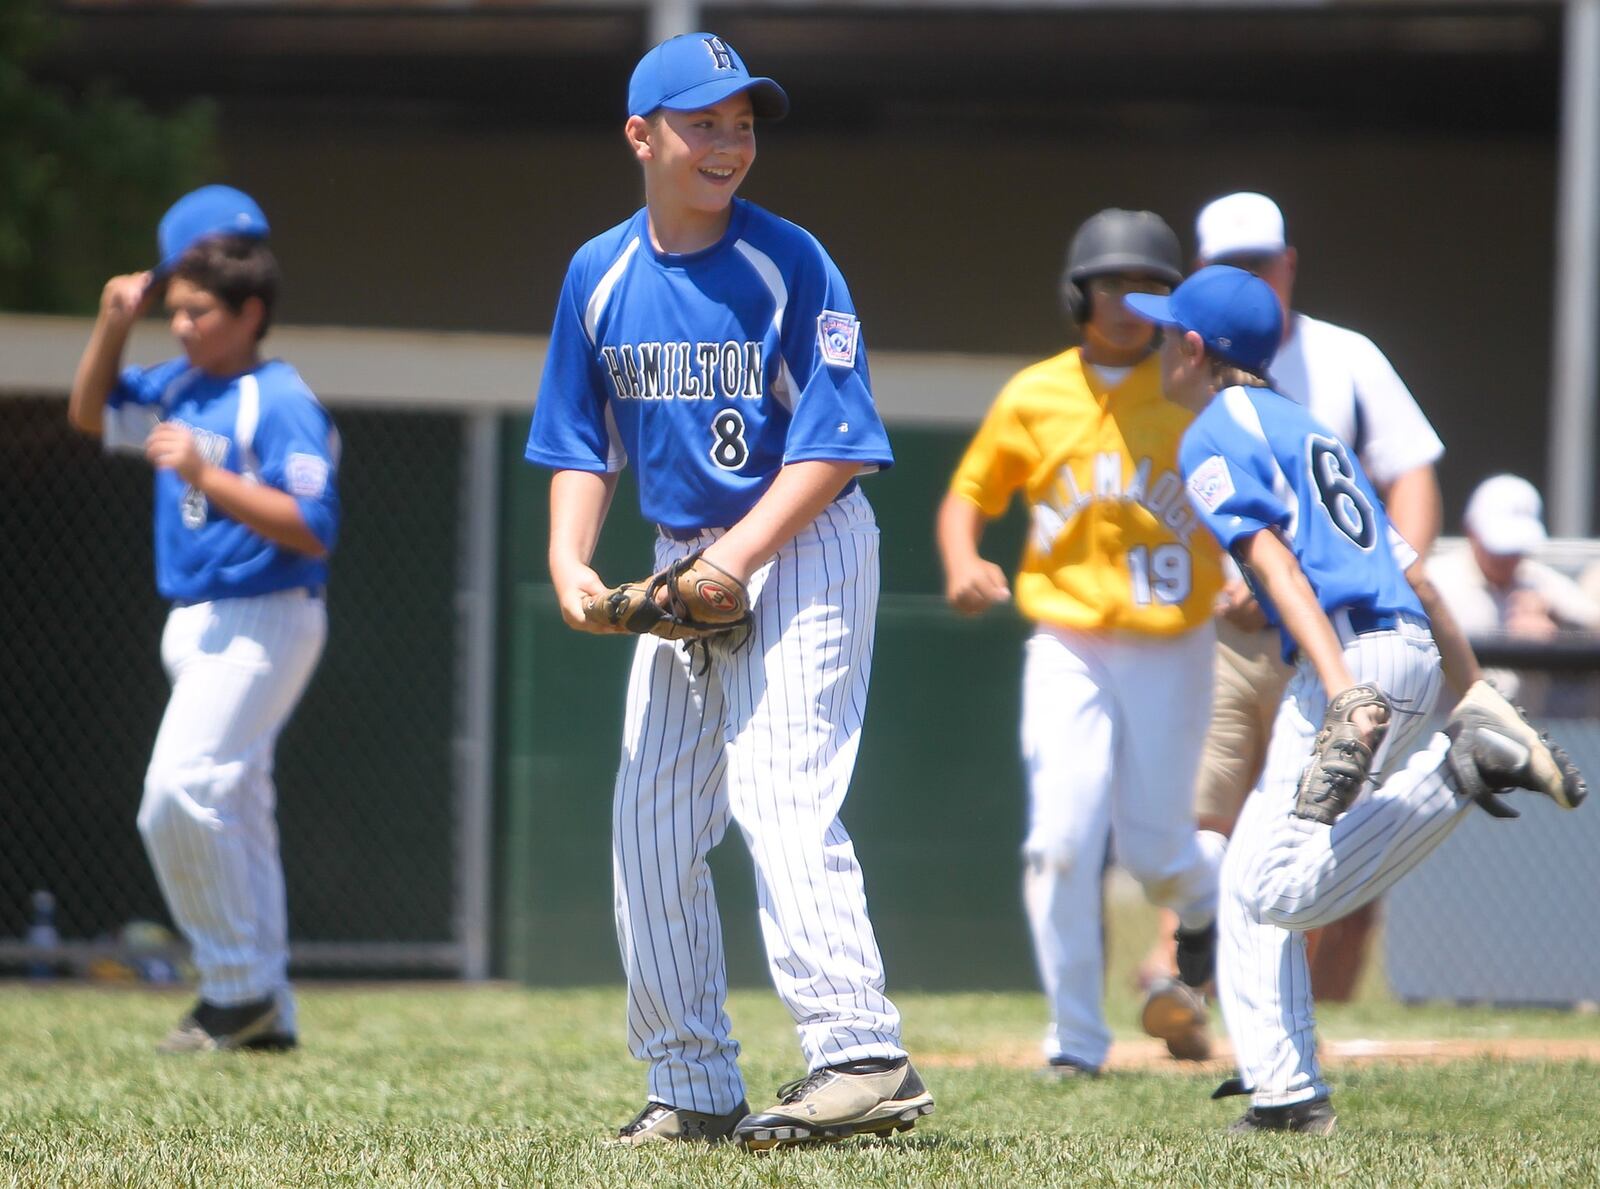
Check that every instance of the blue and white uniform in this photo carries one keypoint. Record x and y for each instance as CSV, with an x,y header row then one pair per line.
x,y
710,371
245,632
1256,461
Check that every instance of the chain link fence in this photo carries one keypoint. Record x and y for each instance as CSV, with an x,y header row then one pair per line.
x,y
370,800
1499,913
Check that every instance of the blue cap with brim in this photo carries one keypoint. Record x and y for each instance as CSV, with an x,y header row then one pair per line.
x,y
201,214
694,71
1235,313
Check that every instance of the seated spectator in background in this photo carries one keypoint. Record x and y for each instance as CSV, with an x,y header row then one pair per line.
x,y
1495,588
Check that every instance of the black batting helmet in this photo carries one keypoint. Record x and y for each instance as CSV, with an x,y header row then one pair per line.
x,y
1118,241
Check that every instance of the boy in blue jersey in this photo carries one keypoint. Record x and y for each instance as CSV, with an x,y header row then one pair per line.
x,y
715,346
246,514
1363,627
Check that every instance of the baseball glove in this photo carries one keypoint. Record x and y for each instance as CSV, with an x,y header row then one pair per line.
x,y
701,601
1341,756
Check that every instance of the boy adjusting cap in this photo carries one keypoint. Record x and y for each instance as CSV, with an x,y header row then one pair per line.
x,y
203,213
694,71
1235,313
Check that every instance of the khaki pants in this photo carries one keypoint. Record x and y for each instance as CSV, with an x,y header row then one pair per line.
x,y
1250,680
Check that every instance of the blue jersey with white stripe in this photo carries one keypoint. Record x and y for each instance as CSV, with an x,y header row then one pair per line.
x,y
1254,460
709,370
265,425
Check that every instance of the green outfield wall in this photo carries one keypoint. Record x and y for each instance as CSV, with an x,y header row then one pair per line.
x,y
936,808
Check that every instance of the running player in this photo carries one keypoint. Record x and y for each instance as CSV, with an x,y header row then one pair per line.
x,y
1119,583
1294,506
715,345
1346,383
246,514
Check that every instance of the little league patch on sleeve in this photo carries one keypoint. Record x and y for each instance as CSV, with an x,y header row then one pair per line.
x,y
1210,483
306,475
837,336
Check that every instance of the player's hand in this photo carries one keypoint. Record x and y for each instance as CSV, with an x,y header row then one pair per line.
x,y
171,447
1239,607
571,590
1528,616
126,299
974,587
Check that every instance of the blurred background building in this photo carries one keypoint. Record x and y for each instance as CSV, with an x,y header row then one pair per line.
x,y
429,168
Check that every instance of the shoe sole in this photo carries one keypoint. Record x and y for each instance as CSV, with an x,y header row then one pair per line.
x,y
1170,1017
628,1141
896,1117
1323,1128
1552,770
271,1042
1062,1071
239,1041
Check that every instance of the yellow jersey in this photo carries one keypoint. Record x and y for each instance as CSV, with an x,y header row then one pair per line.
x,y
1113,542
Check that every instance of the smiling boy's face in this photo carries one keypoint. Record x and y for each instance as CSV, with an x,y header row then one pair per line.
x,y
697,159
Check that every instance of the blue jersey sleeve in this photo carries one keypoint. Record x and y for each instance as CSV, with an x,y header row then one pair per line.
x,y
572,427
297,449
145,385
1232,478
833,416
135,404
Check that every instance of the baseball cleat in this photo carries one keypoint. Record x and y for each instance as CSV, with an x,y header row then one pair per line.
x,y
1177,1014
659,1123
1493,747
209,1028
1314,1117
837,1102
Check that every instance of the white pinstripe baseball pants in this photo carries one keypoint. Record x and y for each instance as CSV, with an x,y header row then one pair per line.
x,y
767,737
1283,874
238,668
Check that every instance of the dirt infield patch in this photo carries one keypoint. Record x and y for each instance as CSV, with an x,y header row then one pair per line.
x,y
1151,1055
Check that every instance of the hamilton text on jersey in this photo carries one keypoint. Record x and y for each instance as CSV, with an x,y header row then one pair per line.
x,y
685,371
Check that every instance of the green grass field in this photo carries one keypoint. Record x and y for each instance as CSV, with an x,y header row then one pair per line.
x,y
495,1085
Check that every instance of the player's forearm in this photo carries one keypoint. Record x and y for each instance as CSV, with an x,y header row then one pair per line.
x,y
1275,567
579,501
797,496
1416,508
958,531
272,513
1460,663
96,376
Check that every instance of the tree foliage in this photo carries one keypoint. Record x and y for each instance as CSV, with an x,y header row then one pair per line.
x,y
84,176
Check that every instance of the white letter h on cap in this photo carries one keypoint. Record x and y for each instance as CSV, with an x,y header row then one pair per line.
x,y
721,55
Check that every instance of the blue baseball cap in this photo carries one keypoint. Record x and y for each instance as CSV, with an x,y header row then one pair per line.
x,y
1235,313
202,213
694,71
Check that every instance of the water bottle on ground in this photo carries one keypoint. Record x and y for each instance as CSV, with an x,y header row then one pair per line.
x,y
42,933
